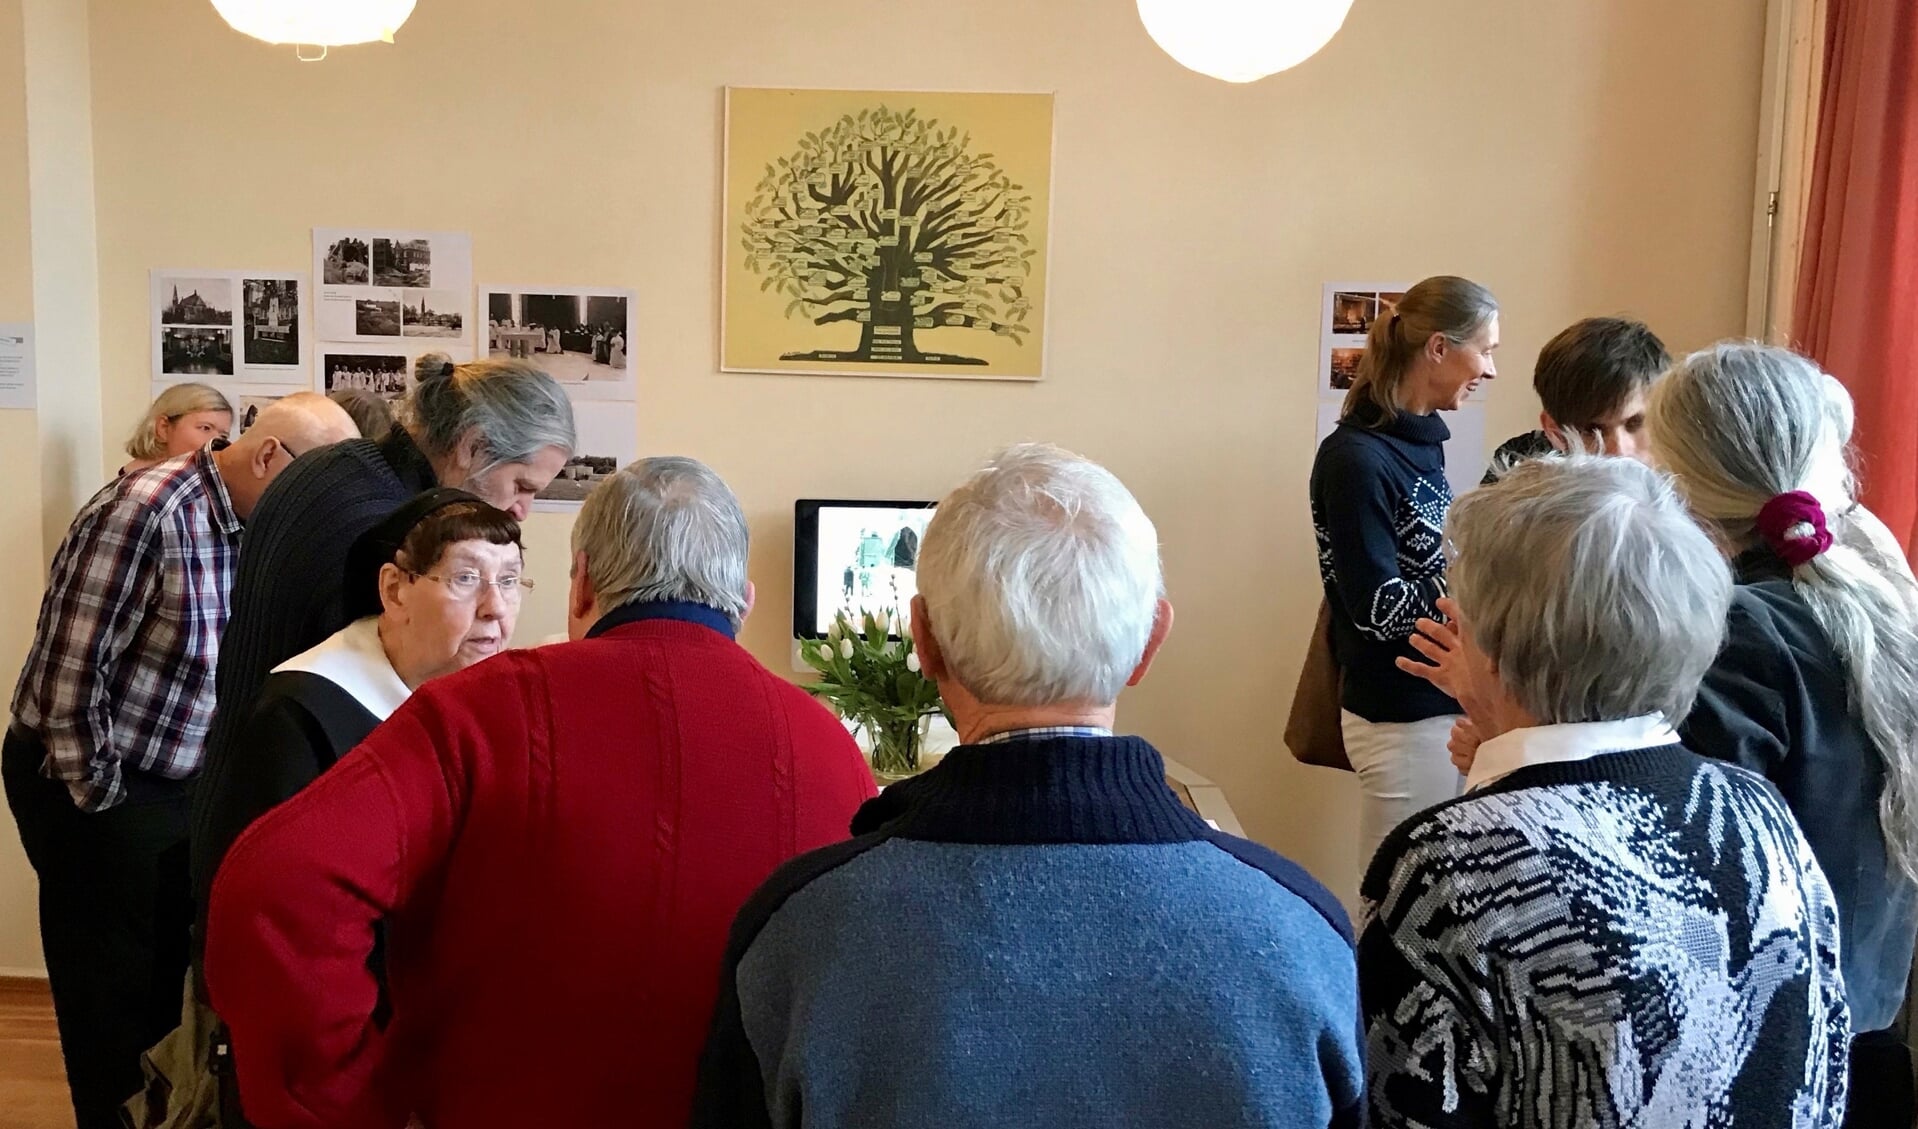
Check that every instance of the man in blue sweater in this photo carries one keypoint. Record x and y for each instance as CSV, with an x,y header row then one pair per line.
x,y
1037,933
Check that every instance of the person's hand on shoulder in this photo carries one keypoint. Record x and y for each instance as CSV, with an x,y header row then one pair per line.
x,y
1438,641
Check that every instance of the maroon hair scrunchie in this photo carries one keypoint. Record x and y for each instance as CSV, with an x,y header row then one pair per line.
x,y
1785,514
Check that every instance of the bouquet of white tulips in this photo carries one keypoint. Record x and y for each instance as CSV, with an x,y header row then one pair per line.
x,y
876,684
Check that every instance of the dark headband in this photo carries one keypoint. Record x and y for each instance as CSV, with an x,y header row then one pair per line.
x,y
378,547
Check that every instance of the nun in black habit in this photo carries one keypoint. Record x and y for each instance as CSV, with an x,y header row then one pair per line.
x,y
432,589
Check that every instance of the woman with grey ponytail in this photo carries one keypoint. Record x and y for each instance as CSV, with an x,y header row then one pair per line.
x,y
500,430
1379,499
1817,685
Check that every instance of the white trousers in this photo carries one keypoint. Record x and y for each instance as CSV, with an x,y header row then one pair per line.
x,y
1403,768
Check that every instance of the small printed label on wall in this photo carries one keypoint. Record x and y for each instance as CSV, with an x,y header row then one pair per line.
x,y
16,365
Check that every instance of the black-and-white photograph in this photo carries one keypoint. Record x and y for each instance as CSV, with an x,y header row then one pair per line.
x,y
272,322
402,262
384,374
432,313
250,409
197,301
348,263
868,560
609,437
377,317
578,478
196,352
584,340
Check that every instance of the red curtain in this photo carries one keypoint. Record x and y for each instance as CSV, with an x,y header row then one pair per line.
x,y
1857,304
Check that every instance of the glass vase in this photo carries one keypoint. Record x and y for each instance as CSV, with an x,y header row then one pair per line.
x,y
895,747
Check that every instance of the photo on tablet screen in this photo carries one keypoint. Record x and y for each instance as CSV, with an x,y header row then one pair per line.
x,y
855,557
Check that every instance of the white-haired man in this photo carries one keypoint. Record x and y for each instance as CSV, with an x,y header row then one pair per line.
x,y
1606,929
1038,933
109,725
560,837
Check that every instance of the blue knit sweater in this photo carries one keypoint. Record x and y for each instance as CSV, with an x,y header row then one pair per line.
x,y
1043,936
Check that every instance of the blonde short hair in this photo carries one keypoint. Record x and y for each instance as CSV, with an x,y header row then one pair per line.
x,y
179,400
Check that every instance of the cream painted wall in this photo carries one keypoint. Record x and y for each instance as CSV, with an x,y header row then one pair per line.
x,y
20,507
1578,158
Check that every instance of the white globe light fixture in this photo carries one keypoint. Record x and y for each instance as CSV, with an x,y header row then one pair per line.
x,y
316,23
1242,40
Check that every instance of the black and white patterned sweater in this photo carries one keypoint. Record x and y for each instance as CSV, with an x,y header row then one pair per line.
x,y
1640,939
1379,500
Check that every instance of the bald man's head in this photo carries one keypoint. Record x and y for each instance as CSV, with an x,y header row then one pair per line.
x,y
302,421
285,429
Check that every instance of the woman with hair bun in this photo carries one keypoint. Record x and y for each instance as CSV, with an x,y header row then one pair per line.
x,y
500,430
1379,500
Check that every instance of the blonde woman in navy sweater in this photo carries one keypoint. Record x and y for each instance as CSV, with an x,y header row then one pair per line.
x,y
1379,500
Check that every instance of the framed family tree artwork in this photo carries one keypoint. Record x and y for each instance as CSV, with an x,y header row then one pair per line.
x,y
886,233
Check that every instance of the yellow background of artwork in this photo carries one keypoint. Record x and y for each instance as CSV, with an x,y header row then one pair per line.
x,y
763,125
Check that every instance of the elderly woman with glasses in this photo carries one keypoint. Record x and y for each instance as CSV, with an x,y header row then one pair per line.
x,y
433,589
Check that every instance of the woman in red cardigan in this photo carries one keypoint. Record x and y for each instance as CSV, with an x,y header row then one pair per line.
x,y
554,841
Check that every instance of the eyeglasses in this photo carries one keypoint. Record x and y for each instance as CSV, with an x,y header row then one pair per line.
x,y
466,584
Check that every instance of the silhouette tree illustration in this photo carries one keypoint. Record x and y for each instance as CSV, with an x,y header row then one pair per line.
x,y
890,222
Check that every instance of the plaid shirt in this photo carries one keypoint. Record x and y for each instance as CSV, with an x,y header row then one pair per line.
x,y
121,671
1042,732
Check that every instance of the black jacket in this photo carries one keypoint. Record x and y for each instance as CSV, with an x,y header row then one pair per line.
x,y
301,725
287,591
1777,701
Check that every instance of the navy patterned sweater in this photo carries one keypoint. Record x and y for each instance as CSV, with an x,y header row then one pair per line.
x,y
1637,939
1379,500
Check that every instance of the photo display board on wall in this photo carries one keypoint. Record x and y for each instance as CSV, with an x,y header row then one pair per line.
x,y
584,338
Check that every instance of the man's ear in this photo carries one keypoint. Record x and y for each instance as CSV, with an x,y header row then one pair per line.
x,y
1553,432
260,462
932,661
1161,627
579,593
752,597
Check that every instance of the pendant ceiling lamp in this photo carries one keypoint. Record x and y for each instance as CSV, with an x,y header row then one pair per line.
x,y
1242,40
316,23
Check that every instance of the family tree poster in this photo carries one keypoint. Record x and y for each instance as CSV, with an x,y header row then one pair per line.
x,y
886,234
